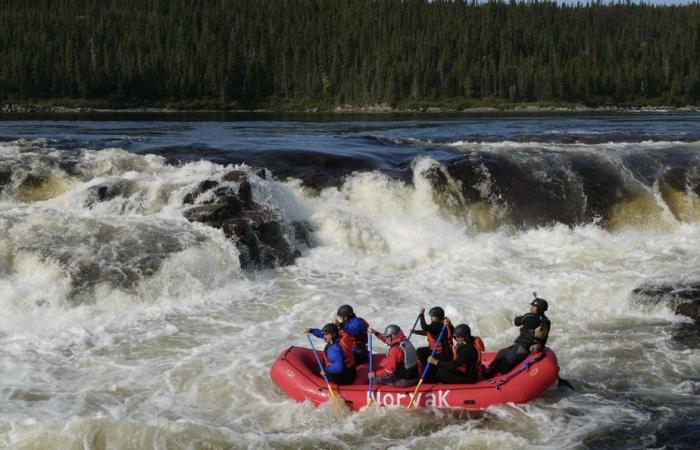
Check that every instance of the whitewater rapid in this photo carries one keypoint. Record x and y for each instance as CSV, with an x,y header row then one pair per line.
x,y
124,325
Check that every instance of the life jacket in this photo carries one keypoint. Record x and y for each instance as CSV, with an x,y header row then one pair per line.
x,y
537,335
346,344
479,348
348,356
408,369
541,333
443,345
358,342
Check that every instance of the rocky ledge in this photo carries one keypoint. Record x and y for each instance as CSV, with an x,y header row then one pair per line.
x,y
263,239
683,299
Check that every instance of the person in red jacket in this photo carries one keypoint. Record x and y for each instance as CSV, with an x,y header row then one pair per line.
x,y
400,367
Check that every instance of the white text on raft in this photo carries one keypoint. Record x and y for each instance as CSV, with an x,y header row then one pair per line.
x,y
432,399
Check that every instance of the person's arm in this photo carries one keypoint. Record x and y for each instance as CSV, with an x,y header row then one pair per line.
x,y
424,326
462,358
393,357
530,320
381,337
315,331
335,359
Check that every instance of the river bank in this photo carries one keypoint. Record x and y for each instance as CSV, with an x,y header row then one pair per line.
x,y
382,108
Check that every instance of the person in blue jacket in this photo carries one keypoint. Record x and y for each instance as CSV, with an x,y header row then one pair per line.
x,y
355,329
338,359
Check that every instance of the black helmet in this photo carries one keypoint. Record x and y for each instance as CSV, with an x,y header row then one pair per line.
x,y
330,328
391,330
462,330
541,304
436,311
345,311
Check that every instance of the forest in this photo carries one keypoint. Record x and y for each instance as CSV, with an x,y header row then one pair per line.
x,y
291,54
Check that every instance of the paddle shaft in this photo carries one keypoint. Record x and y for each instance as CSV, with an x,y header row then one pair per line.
x,y
369,392
427,364
320,366
414,326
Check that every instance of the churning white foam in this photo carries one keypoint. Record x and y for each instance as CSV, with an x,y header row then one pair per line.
x,y
180,357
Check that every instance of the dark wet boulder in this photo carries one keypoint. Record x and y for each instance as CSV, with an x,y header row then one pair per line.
x,y
303,233
102,193
5,178
262,239
236,176
199,190
245,191
215,214
682,298
687,334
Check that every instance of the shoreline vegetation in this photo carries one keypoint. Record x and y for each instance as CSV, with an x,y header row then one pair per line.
x,y
356,56
74,107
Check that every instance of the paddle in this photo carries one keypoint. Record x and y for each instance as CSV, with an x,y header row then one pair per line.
x,y
564,383
320,366
425,369
369,392
414,326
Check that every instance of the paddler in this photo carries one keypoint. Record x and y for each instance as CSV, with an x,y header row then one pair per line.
x,y
534,331
400,367
338,362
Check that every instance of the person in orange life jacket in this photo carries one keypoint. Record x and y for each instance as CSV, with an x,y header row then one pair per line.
x,y
338,362
400,366
432,331
534,331
354,329
465,367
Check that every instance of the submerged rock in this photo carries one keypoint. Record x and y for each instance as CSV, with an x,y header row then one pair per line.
x,y
260,235
5,178
102,193
683,299
199,190
687,334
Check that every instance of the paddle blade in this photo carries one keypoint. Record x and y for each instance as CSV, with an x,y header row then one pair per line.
x,y
413,397
564,383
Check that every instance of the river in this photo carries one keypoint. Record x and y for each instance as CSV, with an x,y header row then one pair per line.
x,y
123,325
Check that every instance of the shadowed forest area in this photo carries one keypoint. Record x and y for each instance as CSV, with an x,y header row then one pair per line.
x,y
293,54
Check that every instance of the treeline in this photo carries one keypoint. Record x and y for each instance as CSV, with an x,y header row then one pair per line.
x,y
238,53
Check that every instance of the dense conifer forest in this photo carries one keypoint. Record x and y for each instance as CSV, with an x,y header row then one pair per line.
x,y
296,53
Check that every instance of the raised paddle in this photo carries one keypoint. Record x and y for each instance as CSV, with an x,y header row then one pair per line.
x,y
425,369
320,366
414,326
369,391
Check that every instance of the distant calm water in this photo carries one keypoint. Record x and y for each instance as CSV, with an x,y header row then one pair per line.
x,y
123,325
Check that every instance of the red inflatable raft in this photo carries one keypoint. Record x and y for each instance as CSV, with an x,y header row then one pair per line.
x,y
296,373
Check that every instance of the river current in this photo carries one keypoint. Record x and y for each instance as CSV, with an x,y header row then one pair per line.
x,y
125,326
